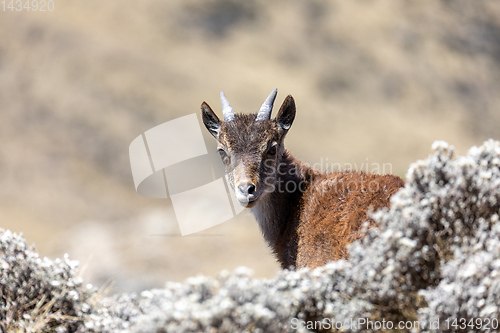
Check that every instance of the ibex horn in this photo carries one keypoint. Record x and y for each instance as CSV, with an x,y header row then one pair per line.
x,y
267,107
227,109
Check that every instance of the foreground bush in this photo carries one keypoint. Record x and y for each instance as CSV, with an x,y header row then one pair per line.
x,y
38,294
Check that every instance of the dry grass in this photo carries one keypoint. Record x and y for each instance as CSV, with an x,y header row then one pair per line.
x,y
42,317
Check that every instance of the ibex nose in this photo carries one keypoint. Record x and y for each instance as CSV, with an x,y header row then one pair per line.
x,y
246,188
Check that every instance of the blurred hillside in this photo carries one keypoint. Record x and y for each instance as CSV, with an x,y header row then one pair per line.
x,y
374,82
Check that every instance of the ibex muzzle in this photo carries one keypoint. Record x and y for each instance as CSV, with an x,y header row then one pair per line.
x,y
246,191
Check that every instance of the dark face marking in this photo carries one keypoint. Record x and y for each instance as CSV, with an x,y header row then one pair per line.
x,y
251,155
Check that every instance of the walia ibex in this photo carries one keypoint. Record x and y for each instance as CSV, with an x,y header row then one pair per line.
x,y
308,217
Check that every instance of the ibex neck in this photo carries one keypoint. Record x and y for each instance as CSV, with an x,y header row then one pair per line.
x,y
278,211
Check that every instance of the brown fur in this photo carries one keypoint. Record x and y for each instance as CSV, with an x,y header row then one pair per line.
x,y
306,216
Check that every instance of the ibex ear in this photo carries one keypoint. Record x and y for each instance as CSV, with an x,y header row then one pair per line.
x,y
210,119
286,114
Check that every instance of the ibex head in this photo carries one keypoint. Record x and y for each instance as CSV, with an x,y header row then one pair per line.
x,y
251,145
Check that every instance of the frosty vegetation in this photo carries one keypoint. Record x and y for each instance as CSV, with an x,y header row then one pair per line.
x,y
436,256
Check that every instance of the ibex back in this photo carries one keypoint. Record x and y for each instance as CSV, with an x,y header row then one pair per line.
x,y
308,217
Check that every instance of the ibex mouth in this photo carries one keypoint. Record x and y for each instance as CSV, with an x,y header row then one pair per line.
x,y
248,203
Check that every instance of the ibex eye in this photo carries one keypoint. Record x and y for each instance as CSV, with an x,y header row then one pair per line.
x,y
223,155
272,150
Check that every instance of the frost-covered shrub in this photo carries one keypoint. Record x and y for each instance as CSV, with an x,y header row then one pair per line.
x,y
38,294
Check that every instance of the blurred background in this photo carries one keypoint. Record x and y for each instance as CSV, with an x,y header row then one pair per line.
x,y
374,82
